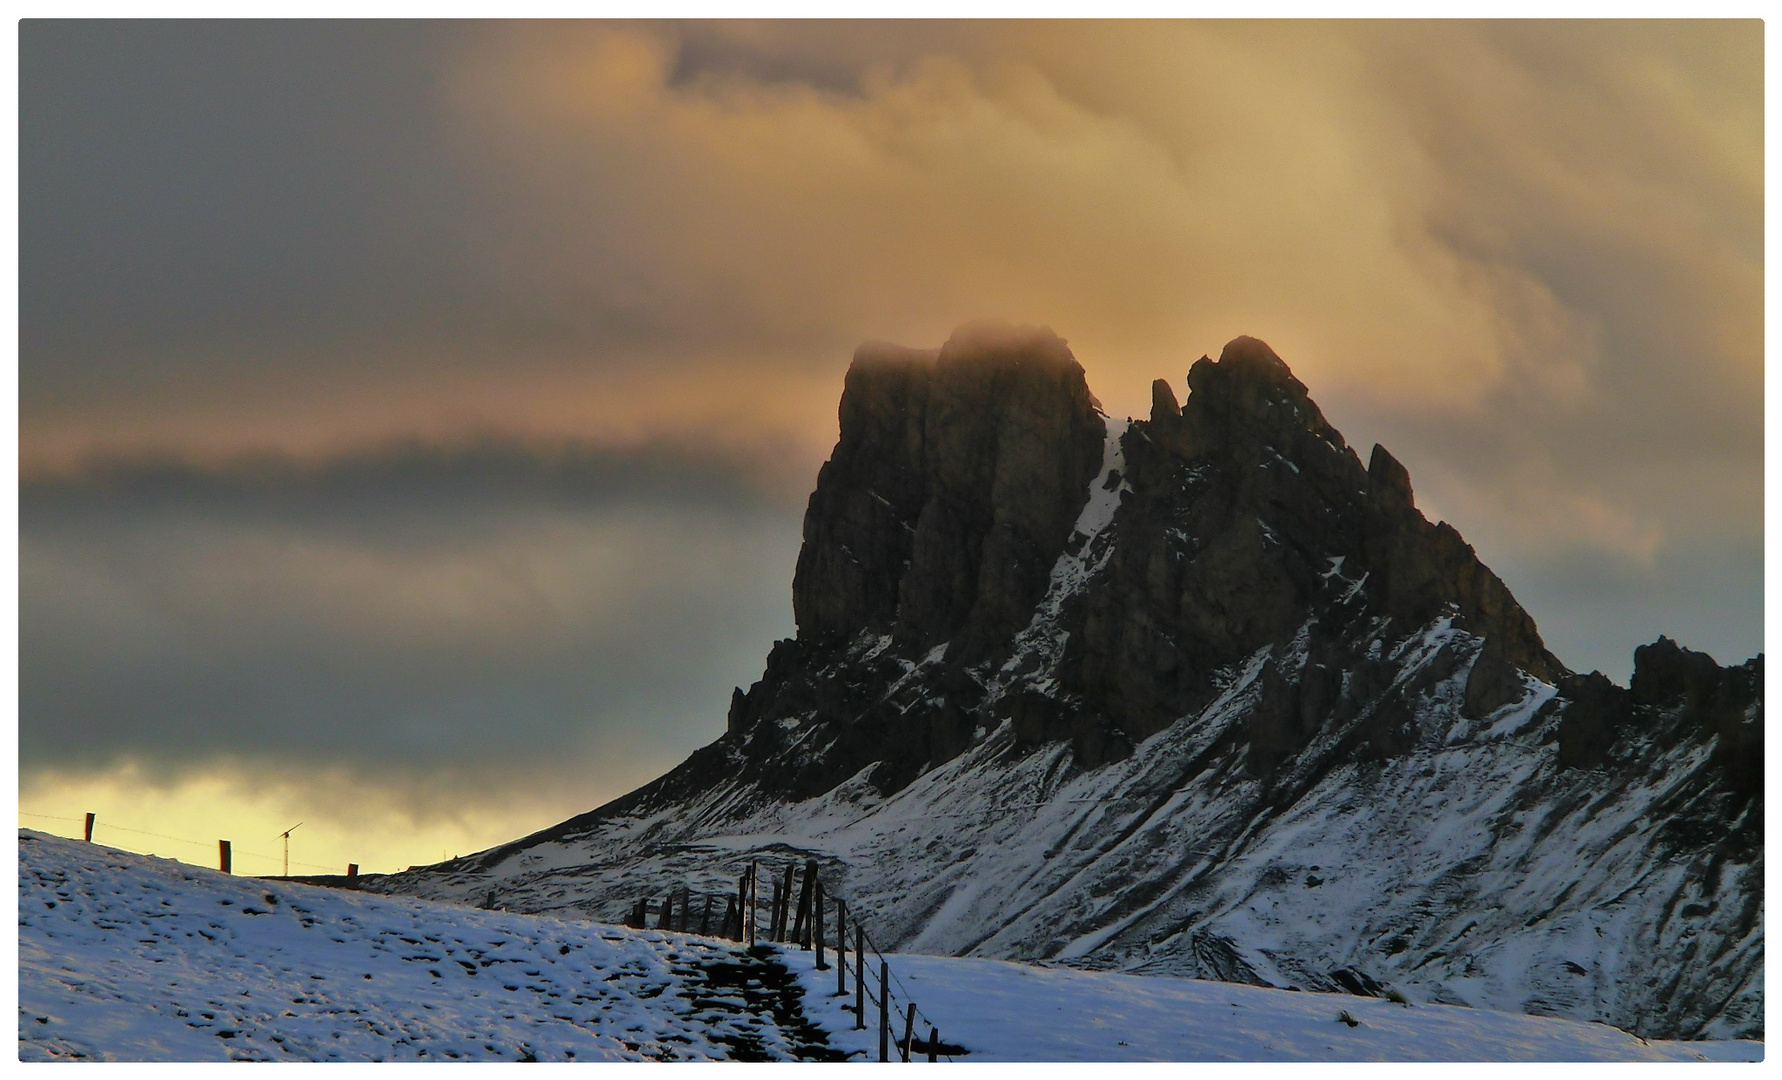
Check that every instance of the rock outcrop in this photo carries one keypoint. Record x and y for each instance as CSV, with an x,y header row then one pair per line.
x,y
1676,694
951,493
1203,694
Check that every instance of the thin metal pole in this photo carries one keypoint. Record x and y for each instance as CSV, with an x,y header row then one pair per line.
x,y
287,836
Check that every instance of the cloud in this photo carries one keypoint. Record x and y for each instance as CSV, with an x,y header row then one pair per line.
x,y
396,613
624,231
1529,232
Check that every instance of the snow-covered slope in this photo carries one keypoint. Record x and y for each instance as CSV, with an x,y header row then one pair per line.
x,y
129,958
1199,695
1419,873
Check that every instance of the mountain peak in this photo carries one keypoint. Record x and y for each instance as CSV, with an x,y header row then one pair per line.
x,y
962,486
1198,694
951,491
1012,342
1251,358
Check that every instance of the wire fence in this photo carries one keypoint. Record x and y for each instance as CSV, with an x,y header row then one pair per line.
x,y
745,923
742,921
908,997
209,844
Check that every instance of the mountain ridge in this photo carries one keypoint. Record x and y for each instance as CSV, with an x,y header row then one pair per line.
x,y
1214,628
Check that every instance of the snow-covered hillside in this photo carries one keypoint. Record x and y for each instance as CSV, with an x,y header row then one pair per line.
x,y
131,958
1016,850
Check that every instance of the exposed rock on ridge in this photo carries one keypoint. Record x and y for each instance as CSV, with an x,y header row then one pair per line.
x,y
1242,516
951,492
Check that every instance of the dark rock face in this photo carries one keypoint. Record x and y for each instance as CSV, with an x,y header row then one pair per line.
x,y
860,527
1245,522
1248,515
1675,692
951,492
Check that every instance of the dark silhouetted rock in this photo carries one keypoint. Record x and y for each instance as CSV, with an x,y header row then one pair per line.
x,y
1598,713
1246,532
951,492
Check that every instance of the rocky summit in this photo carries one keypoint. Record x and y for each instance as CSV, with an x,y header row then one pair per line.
x,y
1200,694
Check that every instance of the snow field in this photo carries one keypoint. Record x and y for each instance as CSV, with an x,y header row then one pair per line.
x,y
1009,1012
131,958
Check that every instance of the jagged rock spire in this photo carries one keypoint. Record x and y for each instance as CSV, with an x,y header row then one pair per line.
x,y
952,489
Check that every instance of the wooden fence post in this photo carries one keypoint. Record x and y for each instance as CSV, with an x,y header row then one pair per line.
x,y
223,859
785,903
909,1027
859,977
933,1042
817,927
884,1011
662,923
754,900
90,827
705,917
801,926
773,906
841,947
352,871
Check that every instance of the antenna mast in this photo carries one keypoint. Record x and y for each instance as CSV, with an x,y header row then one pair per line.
x,y
287,835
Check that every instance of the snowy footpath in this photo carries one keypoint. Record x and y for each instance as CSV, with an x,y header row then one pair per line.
x,y
129,958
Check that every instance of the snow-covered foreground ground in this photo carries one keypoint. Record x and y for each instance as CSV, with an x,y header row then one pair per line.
x,y
125,957
130,958
1017,1012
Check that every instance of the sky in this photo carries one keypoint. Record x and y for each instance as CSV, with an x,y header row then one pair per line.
x,y
416,419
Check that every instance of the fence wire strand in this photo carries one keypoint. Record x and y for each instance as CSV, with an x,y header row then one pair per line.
x,y
894,991
97,825
853,913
